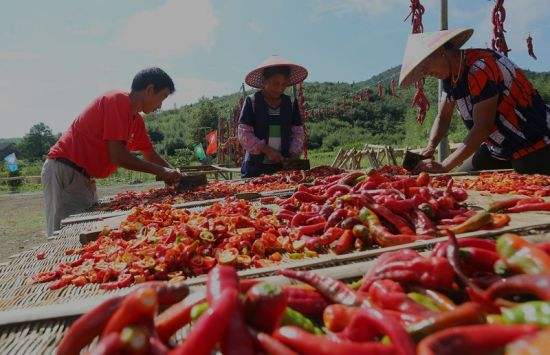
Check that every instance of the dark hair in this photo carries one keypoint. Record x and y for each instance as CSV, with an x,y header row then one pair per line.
x,y
279,69
155,76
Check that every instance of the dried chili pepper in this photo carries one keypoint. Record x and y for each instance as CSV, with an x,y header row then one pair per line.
x,y
307,343
368,320
272,346
264,306
333,290
211,327
465,314
473,223
389,295
521,256
537,285
378,232
472,339
337,316
530,49
305,300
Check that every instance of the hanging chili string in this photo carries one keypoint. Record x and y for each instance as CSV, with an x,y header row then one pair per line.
x,y
530,46
419,98
380,89
393,87
498,43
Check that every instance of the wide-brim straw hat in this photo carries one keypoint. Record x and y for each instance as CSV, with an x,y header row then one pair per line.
x,y
421,45
256,77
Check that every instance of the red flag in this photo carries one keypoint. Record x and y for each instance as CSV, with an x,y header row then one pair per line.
x,y
212,141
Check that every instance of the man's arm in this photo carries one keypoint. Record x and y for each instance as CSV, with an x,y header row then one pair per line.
x,y
152,156
441,124
484,121
119,155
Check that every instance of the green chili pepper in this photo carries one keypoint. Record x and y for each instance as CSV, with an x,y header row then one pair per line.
x,y
424,300
535,312
295,318
522,256
198,310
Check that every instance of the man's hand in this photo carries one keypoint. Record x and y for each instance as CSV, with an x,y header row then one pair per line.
x,y
170,176
272,154
430,166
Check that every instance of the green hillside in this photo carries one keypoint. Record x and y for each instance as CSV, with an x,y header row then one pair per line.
x,y
383,120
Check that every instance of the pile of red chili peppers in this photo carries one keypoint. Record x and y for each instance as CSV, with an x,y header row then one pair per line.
x,y
215,189
511,182
337,213
468,296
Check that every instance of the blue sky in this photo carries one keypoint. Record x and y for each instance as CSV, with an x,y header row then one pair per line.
x,y
56,56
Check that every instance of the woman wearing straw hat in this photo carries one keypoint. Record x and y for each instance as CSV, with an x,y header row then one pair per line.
x,y
270,127
508,121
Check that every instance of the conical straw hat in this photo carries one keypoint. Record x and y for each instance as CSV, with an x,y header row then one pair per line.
x,y
256,77
421,45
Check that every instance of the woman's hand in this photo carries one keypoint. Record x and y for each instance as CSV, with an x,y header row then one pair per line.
x,y
272,154
429,151
430,166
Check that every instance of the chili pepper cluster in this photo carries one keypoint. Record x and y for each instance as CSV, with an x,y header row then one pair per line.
x,y
338,213
468,296
511,182
214,189
498,43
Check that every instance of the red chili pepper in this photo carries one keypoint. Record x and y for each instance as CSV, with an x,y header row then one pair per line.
x,y
307,343
305,300
541,206
272,346
221,279
124,280
265,305
174,318
344,243
210,327
537,285
337,316
107,345
87,327
330,235
307,197
41,255
58,284
487,244
333,290
423,224
138,305
388,295
300,218
311,229
472,339
386,258
336,217
431,272
368,320
343,189
478,259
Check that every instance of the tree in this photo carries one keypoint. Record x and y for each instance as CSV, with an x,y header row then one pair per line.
x,y
36,144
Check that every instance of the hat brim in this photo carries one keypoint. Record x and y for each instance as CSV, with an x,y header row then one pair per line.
x,y
413,72
255,78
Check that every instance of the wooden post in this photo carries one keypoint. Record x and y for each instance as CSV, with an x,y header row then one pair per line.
x,y
444,144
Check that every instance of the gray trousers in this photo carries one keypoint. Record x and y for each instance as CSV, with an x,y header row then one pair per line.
x,y
66,192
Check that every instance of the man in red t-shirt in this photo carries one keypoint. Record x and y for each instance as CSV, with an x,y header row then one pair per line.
x,y
100,140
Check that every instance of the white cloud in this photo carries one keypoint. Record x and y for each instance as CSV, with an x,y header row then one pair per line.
x,y
18,56
189,90
169,30
256,27
93,30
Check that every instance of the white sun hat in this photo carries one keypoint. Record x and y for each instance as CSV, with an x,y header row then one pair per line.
x,y
421,45
256,77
